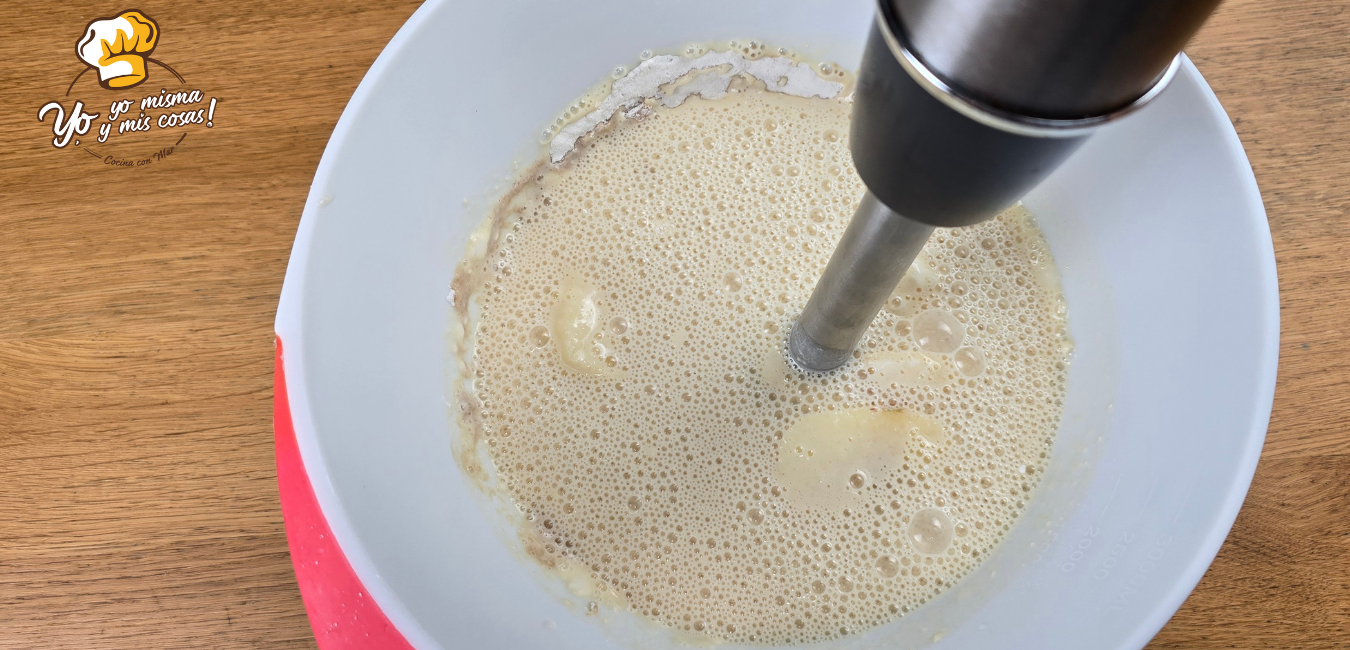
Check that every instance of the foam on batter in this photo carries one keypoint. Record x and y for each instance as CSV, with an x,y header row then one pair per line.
x,y
629,389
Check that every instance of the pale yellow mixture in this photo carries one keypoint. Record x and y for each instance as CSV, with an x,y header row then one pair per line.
x,y
630,388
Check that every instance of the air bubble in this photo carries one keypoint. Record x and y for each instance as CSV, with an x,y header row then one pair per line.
x,y
857,480
887,566
969,360
930,531
936,330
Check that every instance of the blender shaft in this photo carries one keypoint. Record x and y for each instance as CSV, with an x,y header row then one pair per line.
x,y
877,248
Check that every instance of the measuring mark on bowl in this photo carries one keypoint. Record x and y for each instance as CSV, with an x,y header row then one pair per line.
x,y
1145,568
1113,557
1080,548
1107,506
1187,497
1141,573
1147,500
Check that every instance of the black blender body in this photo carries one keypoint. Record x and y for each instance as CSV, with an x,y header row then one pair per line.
x,y
961,108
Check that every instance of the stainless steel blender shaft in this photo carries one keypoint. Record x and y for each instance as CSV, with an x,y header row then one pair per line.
x,y
877,248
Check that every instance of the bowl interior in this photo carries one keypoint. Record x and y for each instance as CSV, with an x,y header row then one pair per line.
x,y
1156,225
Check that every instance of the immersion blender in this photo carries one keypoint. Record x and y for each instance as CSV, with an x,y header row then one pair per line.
x,y
961,107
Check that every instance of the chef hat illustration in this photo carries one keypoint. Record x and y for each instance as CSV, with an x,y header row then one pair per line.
x,y
117,48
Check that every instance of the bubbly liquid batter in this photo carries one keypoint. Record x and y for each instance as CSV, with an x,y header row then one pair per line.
x,y
630,388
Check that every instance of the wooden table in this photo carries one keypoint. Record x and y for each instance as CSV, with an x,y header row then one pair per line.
x,y
139,503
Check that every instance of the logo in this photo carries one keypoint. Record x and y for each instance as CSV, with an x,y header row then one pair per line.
x,y
118,50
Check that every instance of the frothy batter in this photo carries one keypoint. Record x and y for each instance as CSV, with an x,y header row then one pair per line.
x,y
630,389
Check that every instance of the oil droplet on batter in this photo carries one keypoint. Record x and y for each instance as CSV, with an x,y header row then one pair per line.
x,y
574,321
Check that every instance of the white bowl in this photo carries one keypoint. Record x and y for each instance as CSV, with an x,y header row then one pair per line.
x,y
1156,224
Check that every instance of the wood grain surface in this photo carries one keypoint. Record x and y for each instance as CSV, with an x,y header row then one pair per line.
x,y
138,506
